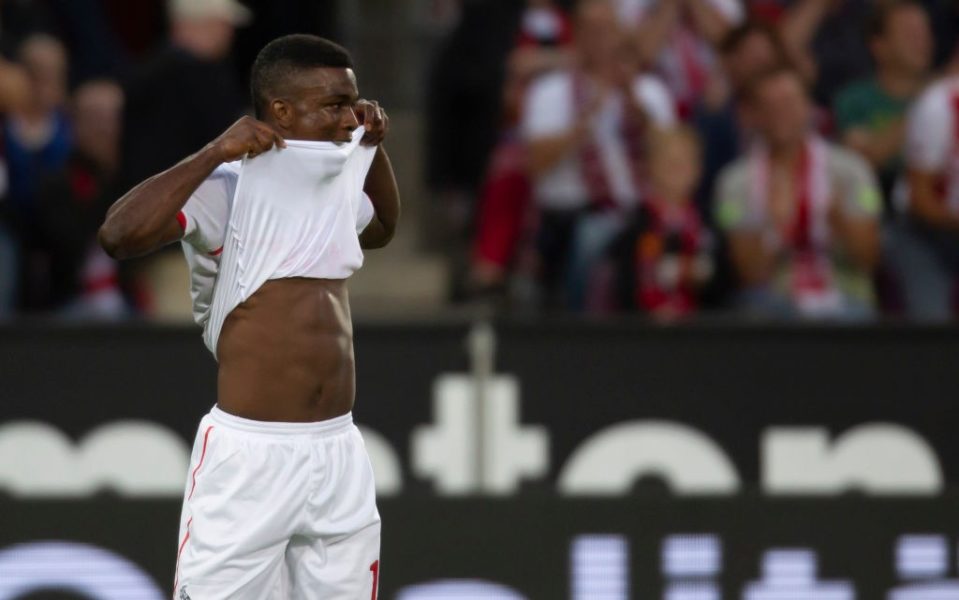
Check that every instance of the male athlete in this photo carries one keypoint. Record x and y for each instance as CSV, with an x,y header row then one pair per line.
x,y
279,500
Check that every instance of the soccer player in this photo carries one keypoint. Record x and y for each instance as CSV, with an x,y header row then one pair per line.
x,y
272,214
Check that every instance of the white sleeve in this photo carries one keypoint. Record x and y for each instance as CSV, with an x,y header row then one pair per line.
x,y
653,95
732,10
364,213
206,213
548,109
929,131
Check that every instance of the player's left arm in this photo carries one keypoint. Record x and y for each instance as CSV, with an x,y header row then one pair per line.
x,y
380,183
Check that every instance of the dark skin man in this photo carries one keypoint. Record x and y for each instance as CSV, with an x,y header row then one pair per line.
x,y
286,354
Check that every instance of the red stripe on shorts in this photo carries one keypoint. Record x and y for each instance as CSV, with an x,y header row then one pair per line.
x,y
179,552
206,438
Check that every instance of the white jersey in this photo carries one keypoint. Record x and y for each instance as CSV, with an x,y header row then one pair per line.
x,y
294,212
550,110
931,136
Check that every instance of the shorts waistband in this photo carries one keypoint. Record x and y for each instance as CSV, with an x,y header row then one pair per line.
x,y
327,427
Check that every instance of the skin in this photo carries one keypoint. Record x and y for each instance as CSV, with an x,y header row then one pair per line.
x,y
207,38
674,168
45,61
781,110
667,15
286,354
97,109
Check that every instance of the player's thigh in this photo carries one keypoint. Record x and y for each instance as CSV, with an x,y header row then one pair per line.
x,y
347,569
238,517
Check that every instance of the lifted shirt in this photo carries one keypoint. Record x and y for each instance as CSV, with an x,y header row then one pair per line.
x,y
294,212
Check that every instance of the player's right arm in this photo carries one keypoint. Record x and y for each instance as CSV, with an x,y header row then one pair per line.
x,y
145,218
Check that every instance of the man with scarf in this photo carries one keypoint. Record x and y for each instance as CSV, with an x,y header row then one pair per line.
x,y
585,129
801,214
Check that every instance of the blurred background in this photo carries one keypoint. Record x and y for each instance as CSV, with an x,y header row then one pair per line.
x,y
670,312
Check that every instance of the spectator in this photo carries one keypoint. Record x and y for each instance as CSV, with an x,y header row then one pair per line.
x,y
925,247
14,93
187,94
543,45
37,136
36,140
466,78
584,127
746,51
668,251
73,203
801,214
828,37
677,37
870,114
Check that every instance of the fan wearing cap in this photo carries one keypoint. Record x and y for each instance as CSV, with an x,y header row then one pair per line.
x,y
186,93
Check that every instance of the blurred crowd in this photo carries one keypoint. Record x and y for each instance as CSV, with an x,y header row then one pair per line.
x,y
793,159
788,159
95,96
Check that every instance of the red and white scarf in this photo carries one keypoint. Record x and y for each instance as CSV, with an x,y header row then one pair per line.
x,y
806,233
594,169
667,278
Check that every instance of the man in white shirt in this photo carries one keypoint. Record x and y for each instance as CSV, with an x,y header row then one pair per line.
x,y
279,501
585,128
924,249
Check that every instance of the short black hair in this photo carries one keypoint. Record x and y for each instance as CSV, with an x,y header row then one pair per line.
x,y
286,55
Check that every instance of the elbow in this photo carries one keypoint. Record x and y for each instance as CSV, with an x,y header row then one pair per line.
x,y
380,240
378,234
117,245
110,242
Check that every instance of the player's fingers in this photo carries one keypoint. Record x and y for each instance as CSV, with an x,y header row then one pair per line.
x,y
367,116
274,134
386,122
259,143
264,141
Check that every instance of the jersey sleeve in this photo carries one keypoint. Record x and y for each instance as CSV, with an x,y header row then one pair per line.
x,y
205,215
930,127
548,108
732,209
858,190
653,95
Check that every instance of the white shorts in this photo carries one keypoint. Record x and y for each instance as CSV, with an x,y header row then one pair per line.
x,y
278,511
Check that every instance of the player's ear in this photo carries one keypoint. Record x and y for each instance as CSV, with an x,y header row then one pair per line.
x,y
282,112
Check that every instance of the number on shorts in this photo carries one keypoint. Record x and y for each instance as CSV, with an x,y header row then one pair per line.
x,y
375,569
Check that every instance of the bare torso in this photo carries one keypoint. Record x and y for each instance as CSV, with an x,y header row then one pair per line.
x,y
286,354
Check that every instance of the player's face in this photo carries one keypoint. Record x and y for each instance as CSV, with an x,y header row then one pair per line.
x,y
320,106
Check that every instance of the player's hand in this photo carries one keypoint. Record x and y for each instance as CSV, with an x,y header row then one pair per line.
x,y
247,137
374,118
